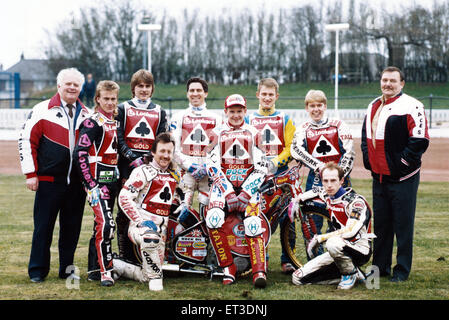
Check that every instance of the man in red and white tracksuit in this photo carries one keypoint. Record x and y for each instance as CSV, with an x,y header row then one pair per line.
x,y
96,158
237,168
394,138
46,144
146,200
139,121
192,130
349,246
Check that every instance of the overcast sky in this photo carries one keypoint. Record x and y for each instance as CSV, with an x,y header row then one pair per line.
x,y
23,22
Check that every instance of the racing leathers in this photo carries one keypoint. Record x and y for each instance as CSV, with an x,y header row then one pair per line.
x,y
139,122
96,158
348,247
237,168
276,129
146,199
192,130
314,145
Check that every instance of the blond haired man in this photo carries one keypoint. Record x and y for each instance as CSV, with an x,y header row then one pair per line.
x,y
320,140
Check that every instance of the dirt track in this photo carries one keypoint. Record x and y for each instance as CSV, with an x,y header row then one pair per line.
x,y
435,161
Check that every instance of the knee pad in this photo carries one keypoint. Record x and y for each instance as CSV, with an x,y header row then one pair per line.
x,y
253,226
215,218
335,246
150,239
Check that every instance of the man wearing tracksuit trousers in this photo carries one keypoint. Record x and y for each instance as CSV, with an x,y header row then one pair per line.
x,y
46,143
394,138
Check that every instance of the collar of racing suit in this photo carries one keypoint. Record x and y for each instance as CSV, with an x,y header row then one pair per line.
x,y
268,112
339,193
320,123
108,115
197,109
142,104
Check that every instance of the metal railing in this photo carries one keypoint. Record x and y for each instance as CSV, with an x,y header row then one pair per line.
x,y
171,104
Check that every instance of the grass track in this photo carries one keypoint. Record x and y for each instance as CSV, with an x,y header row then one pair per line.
x,y
429,279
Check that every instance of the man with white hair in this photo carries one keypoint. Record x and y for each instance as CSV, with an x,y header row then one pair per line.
x,y
46,145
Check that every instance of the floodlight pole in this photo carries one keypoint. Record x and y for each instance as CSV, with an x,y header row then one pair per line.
x,y
149,27
336,27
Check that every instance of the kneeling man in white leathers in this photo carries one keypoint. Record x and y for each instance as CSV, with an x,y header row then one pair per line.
x,y
349,246
146,199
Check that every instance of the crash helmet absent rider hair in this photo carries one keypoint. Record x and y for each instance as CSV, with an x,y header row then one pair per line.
x,y
235,100
333,166
269,83
163,137
199,80
315,96
144,76
105,85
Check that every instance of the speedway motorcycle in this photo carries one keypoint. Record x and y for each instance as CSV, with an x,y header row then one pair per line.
x,y
189,250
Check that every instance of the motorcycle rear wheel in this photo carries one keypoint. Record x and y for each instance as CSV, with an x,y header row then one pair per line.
x,y
291,232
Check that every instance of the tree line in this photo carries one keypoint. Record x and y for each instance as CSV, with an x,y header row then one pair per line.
x,y
290,45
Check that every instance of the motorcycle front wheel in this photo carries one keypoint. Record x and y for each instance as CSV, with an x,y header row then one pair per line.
x,y
292,239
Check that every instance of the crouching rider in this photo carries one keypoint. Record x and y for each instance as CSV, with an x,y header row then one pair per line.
x,y
350,245
237,169
146,199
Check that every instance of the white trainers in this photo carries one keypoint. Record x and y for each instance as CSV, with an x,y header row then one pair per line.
x,y
155,285
347,281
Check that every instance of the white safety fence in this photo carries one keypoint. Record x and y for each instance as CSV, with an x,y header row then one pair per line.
x,y
12,120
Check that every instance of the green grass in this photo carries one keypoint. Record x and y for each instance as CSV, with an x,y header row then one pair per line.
x,y
429,279
292,95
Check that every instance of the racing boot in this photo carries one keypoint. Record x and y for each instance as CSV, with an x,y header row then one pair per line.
x,y
155,284
229,274
223,254
258,261
106,279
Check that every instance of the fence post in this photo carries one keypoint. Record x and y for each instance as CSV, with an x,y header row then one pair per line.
x,y
16,90
169,105
430,106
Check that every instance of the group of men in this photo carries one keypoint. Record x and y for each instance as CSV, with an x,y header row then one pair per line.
x,y
133,154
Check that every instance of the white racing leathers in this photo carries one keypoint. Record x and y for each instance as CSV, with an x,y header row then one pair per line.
x,y
237,168
192,130
348,247
145,199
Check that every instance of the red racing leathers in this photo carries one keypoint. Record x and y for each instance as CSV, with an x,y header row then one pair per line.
x,y
237,168
192,130
96,158
315,144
